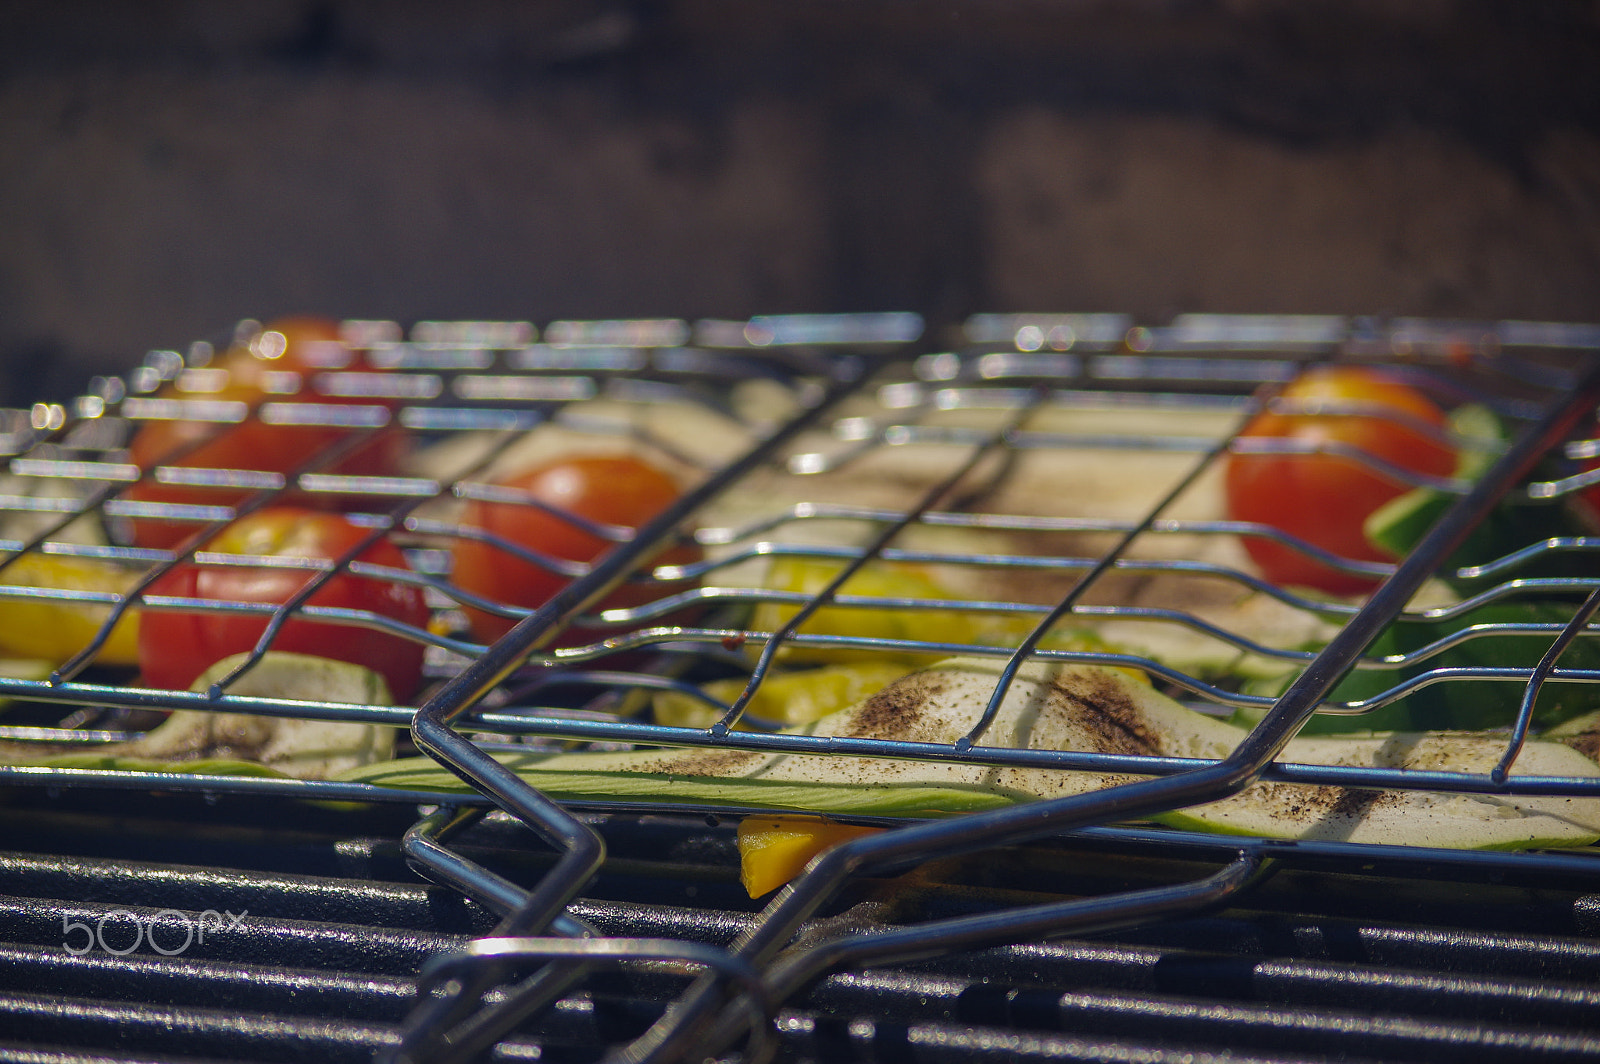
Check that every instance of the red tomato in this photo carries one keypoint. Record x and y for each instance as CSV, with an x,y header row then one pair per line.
x,y
176,647
1324,498
614,490
294,347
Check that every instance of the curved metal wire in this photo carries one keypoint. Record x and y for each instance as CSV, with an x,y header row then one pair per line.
x,y
579,848
789,973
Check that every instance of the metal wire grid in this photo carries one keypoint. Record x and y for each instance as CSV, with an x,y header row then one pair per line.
x,y
874,404
705,1018
68,466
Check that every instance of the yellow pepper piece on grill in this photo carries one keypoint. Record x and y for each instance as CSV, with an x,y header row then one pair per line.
x,y
880,580
54,629
788,698
905,581
774,849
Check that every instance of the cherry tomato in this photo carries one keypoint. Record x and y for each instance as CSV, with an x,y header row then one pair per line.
x,y
608,489
282,358
176,647
1325,498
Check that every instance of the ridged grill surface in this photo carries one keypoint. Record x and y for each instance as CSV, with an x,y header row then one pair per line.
x,y
1311,966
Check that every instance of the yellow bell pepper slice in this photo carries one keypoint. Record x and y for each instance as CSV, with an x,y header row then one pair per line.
x,y
774,849
788,698
55,629
900,580
879,580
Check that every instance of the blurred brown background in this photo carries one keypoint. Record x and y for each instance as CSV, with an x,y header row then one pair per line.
x,y
167,167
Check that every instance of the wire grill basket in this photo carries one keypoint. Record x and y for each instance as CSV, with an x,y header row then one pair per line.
x,y
1044,488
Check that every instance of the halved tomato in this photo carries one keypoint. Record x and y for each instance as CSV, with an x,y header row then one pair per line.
x,y
618,490
1324,498
176,647
279,365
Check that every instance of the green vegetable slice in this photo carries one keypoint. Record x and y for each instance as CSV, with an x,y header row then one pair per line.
x,y
1396,527
625,777
209,766
1469,704
1458,704
1064,707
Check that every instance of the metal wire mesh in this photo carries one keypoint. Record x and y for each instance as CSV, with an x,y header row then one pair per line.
x,y
1044,489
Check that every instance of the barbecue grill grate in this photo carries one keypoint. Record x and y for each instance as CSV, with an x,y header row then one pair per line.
x,y
1406,960
818,399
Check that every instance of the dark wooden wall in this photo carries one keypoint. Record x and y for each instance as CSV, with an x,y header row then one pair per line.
x,y
167,167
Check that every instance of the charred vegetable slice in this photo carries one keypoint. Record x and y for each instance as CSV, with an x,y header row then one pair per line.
x,y
1062,707
245,744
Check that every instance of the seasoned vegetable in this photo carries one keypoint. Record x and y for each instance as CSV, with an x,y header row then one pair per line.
x,y
1068,708
1396,527
1464,705
909,623
789,698
875,580
246,744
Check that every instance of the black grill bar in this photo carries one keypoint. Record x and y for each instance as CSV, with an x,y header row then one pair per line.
x,y
147,1028
173,981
